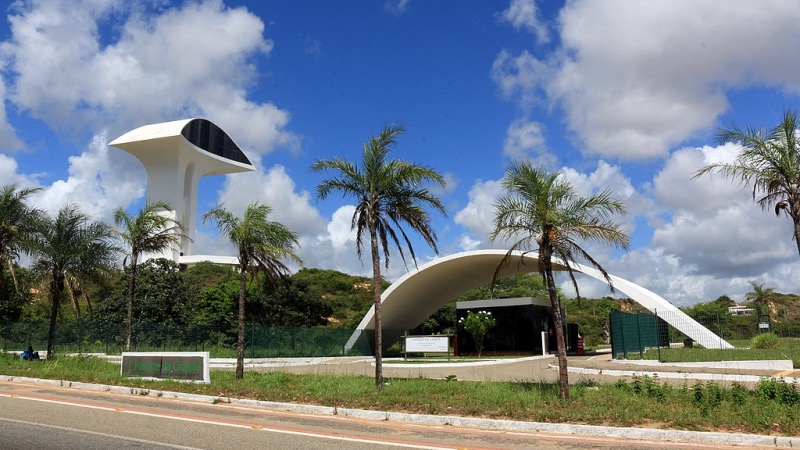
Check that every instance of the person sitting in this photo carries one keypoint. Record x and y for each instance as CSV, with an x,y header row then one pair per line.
x,y
30,355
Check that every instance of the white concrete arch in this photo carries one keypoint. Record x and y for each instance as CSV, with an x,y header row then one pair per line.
x,y
418,294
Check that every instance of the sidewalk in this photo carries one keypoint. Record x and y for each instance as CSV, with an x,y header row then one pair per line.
x,y
597,367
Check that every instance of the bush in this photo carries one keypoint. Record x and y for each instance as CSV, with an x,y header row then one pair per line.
x,y
765,340
772,389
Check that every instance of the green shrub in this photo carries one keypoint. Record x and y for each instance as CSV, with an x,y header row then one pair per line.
x,y
777,389
764,340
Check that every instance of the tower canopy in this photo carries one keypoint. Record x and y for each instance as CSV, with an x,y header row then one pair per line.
x,y
176,155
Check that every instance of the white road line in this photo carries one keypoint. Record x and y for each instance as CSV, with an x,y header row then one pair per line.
x,y
216,422
95,433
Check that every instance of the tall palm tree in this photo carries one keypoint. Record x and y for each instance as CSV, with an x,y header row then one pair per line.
x,y
16,222
770,162
759,296
261,245
69,245
389,193
544,208
151,230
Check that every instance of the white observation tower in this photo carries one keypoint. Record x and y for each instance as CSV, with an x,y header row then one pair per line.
x,y
176,154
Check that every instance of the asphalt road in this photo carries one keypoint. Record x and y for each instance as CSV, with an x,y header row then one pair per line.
x,y
36,417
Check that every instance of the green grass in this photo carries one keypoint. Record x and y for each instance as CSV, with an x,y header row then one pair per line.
x,y
787,348
771,408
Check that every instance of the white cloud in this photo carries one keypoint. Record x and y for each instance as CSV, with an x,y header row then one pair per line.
x,y
8,137
396,7
98,181
478,215
526,140
635,79
276,189
10,175
525,14
521,77
196,60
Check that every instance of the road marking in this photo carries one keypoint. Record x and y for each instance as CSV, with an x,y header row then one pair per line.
x,y
272,429
95,433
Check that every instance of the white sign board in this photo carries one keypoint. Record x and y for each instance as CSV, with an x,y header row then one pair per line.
x,y
423,344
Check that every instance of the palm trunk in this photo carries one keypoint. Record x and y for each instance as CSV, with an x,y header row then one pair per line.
x,y
56,291
240,325
88,305
796,221
131,288
74,299
376,293
558,322
3,280
13,276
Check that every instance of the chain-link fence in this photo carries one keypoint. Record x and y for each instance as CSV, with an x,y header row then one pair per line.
x,y
260,341
658,336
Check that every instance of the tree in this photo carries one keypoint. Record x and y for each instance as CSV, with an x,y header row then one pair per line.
x,y
261,245
759,297
769,161
16,224
544,208
151,230
68,245
389,193
478,325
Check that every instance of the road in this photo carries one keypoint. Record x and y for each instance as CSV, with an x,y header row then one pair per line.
x,y
67,418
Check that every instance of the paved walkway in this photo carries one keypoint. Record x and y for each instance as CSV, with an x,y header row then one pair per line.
x,y
598,367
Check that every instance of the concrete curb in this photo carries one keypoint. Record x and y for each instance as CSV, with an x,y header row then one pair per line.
x,y
469,422
667,375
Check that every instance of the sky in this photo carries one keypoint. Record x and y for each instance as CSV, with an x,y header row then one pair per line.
x,y
620,95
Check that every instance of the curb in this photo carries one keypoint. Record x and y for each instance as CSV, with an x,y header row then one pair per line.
x,y
702,437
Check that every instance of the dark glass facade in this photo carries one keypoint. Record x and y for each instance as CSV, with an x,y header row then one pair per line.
x,y
517,331
212,139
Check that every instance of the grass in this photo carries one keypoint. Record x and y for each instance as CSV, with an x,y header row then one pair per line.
x,y
771,408
787,348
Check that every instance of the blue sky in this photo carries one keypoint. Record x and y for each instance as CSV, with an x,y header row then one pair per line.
x,y
625,95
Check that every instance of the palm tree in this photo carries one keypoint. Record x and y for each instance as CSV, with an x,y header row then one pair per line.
x,y
151,230
770,162
543,208
16,222
389,193
261,245
759,296
69,245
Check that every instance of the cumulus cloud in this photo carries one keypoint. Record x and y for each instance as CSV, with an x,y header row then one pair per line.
x,y
8,136
276,189
196,60
634,79
9,173
524,14
478,215
99,181
525,139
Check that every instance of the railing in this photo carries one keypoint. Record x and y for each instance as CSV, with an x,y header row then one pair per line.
x,y
260,341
